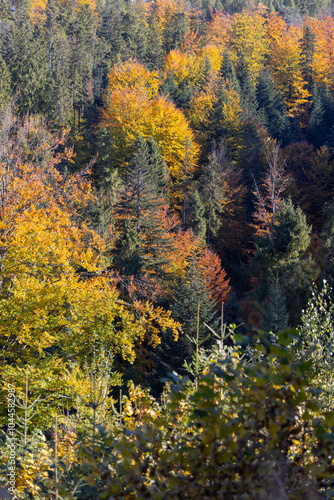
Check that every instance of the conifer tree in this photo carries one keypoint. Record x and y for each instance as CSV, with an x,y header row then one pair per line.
x,y
276,316
142,241
272,112
317,129
58,102
284,252
5,83
308,47
157,167
174,31
25,57
196,217
227,72
191,292
248,99
214,189
327,236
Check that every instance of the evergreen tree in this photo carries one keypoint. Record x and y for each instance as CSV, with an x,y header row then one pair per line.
x,y
227,72
317,130
25,57
134,32
128,258
142,243
196,217
248,99
272,112
276,317
284,252
308,47
214,190
327,236
157,167
58,103
5,83
175,31
189,293
81,63
154,57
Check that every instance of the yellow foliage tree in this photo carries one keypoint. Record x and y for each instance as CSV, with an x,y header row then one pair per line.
x,y
247,36
285,61
132,108
324,50
53,291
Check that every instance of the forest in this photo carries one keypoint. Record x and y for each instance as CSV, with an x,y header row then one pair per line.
x,y
167,249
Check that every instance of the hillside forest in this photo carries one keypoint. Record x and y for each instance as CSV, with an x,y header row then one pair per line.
x,y
167,249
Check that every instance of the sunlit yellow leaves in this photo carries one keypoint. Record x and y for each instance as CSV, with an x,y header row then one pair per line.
x,y
134,76
164,10
324,49
131,110
38,7
156,319
185,68
247,38
188,68
285,62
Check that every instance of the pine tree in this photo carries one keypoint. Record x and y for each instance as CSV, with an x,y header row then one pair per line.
x,y
308,47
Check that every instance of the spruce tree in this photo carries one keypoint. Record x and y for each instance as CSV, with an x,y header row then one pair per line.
x,y
189,293
327,236
25,57
142,242
317,130
5,83
175,31
196,217
272,112
248,99
227,72
58,103
157,167
214,189
308,47
276,317
284,252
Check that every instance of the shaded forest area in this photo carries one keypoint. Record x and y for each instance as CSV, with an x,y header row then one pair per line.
x,y
167,169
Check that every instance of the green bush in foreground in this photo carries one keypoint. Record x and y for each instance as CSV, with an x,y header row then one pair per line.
x,y
249,430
